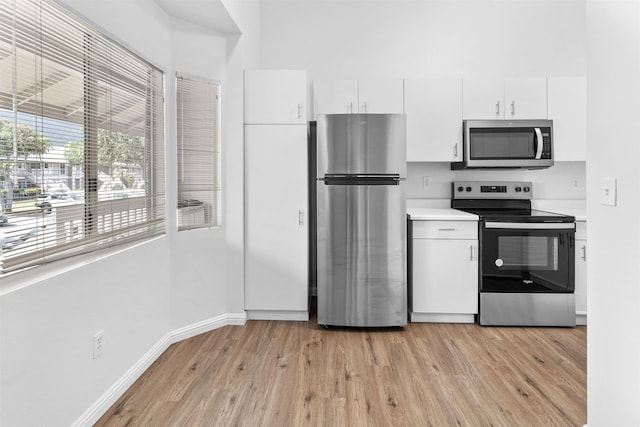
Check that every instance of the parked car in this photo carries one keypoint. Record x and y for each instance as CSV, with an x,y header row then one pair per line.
x,y
47,201
8,243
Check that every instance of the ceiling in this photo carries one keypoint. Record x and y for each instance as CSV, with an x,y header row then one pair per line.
x,y
210,14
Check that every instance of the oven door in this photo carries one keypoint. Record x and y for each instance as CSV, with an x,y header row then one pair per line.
x,y
527,257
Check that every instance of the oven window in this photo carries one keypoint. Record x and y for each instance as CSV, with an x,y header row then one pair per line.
x,y
533,252
502,143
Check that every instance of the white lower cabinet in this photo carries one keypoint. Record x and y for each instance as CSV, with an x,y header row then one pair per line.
x,y
276,222
444,286
581,273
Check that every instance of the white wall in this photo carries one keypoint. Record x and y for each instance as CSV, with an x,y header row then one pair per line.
x,y
242,53
200,259
48,375
408,38
613,150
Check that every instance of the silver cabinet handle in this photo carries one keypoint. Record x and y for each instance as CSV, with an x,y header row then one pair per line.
x,y
470,252
447,229
584,252
513,108
455,151
351,107
364,107
498,108
299,111
300,217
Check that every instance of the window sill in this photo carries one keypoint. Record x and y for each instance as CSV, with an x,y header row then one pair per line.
x,y
12,282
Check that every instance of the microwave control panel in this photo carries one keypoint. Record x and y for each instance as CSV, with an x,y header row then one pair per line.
x,y
546,143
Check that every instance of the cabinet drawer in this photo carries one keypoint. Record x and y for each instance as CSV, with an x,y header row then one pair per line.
x,y
581,230
445,229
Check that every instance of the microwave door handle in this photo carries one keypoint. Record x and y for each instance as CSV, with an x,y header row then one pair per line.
x,y
538,143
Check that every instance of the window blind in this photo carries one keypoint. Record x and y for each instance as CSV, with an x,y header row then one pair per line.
x,y
198,153
82,126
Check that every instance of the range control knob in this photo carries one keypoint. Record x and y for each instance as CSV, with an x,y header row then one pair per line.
x,y
461,188
518,189
527,189
468,188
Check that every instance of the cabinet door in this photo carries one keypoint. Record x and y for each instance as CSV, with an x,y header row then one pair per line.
x,y
525,98
434,119
567,103
276,245
381,96
275,97
335,96
445,276
483,99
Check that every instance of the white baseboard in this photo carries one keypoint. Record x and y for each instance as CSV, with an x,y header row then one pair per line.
x,y
581,319
278,315
441,318
102,405
207,325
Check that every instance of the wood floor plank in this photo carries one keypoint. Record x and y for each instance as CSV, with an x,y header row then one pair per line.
x,y
274,373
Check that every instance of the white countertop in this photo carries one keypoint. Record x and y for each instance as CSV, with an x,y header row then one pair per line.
x,y
440,214
439,210
575,208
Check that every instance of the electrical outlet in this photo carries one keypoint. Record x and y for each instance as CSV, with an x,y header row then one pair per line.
x,y
98,344
426,181
575,182
609,192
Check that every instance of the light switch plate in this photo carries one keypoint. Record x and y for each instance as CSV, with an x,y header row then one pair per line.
x,y
609,191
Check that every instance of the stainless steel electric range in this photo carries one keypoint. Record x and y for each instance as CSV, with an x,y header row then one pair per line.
x,y
526,262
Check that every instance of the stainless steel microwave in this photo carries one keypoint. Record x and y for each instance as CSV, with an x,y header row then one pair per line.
x,y
515,144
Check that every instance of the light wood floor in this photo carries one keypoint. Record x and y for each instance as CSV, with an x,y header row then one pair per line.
x,y
271,373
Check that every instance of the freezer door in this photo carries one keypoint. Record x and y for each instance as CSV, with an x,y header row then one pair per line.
x,y
361,242
361,144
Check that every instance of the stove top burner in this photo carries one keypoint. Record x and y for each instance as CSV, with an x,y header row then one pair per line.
x,y
528,215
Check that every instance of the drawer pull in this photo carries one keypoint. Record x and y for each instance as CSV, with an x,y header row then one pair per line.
x,y
447,229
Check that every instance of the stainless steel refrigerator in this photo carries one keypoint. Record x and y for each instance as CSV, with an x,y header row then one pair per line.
x,y
361,220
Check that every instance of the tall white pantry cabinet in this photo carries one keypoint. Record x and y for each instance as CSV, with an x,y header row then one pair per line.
x,y
276,195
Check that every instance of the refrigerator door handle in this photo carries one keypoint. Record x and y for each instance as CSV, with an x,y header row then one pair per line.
x,y
365,179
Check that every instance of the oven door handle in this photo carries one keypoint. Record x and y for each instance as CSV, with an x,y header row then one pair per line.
x,y
531,225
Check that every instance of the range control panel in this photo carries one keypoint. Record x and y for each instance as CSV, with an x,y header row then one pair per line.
x,y
492,190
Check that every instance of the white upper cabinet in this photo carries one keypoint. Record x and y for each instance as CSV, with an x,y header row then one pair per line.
x,y
434,119
483,98
381,96
514,98
335,96
568,110
275,97
358,96
525,98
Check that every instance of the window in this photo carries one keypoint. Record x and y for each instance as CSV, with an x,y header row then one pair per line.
x,y
198,153
70,96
